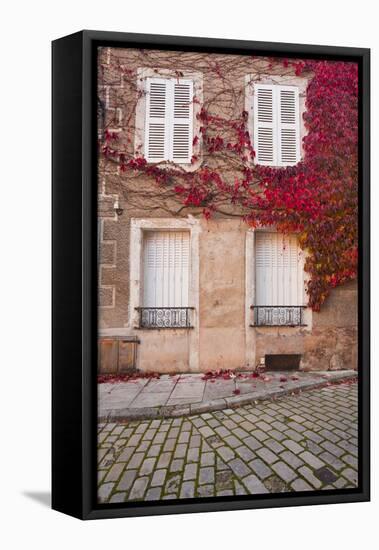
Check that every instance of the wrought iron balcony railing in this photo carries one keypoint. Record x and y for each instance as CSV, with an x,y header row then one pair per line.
x,y
278,316
165,317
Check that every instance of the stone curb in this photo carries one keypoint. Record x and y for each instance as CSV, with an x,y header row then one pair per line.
x,y
123,415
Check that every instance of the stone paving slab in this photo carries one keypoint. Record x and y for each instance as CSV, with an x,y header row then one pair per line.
x,y
302,442
173,396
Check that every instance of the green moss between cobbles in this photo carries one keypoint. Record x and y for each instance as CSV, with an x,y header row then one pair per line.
x,y
219,416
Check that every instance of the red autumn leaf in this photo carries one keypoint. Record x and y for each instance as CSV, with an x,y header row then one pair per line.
x,y
319,196
237,391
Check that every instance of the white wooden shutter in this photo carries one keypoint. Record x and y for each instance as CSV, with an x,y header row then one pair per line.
x,y
278,270
157,120
166,269
276,125
169,120
288,125
264,125
182,133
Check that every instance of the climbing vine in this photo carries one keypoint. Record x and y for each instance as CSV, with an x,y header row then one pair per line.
x,y
317,198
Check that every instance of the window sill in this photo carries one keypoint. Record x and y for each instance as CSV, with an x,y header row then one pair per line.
x,y
279,166
163,328
176,166
278,326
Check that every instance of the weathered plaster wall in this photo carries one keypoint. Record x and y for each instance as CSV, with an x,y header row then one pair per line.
x,y
332,342
164,350
222,294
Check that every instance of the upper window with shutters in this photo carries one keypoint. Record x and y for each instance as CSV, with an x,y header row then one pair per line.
x,y
275,106
166,122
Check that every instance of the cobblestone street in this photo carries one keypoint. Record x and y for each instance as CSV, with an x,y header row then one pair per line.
x,y
296,443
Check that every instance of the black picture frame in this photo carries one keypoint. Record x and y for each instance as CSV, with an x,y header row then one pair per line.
x,y
74,273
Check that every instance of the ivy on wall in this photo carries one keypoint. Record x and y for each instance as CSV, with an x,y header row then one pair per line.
x,y
317,198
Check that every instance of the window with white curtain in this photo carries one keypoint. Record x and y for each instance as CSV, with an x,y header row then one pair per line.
x,y
279,279
166,269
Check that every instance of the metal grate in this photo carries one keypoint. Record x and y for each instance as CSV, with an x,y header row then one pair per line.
x,y
165,317
282,362
278,316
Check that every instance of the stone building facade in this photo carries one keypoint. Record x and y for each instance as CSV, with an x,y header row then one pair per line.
x,y
182,293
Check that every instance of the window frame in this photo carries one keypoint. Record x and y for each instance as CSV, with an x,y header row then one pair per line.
x,y
169,119
276,124
184,291
141,116
292,81
250,294
137,228
299,288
